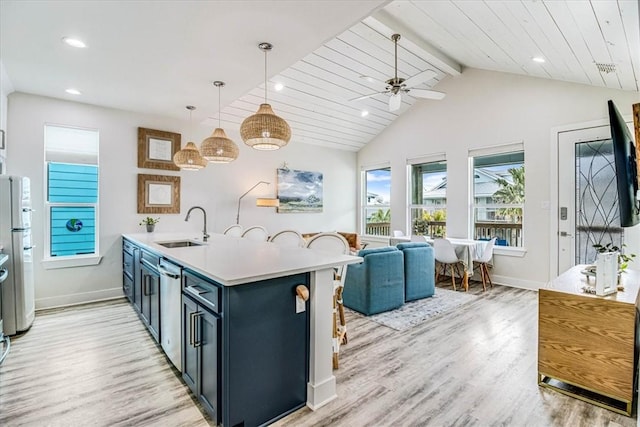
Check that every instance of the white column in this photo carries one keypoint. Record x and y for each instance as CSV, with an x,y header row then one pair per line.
x,y
321,388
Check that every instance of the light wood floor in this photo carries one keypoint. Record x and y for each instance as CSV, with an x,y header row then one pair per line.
x,y
96,365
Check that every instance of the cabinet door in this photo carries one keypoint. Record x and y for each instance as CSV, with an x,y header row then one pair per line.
x,y
137,281
207,342
189,351
145,306
151,300
154,304
127,287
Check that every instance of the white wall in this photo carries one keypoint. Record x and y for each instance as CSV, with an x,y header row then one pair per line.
x,y
215,188
482,109
6,87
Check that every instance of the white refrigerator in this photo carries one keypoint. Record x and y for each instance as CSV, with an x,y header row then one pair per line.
x,y
18,291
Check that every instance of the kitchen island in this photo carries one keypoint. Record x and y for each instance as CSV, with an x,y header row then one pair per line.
x,y
266,338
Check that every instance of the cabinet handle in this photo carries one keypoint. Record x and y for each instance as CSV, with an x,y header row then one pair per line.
x,y
198,330
145,287
191,329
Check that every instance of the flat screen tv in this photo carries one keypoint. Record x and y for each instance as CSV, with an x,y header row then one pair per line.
x,y
624,152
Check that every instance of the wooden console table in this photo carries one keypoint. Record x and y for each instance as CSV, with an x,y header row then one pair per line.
x,y
587,343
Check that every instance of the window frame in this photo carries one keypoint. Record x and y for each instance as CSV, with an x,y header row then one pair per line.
x,y
516,147
363,200
64,261
434,158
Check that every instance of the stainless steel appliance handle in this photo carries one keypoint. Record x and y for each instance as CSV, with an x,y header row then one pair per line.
x,y
3,275
167,273
7,342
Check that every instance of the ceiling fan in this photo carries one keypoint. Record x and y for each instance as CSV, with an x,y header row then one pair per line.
x,y
397,85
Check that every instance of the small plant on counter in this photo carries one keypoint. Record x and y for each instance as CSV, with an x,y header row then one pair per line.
x,y
149,221
623,259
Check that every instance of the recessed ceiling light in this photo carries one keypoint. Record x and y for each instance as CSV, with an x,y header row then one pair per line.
x,y
74,42
364,113
278,86
73,91
368,78
538,59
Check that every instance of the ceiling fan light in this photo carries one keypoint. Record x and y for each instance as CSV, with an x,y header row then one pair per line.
x,y
189,158
218,148
395,101
265,130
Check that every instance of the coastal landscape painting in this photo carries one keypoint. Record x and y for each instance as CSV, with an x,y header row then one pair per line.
x,y
299,191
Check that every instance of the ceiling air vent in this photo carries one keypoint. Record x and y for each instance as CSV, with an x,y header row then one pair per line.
x,y
606,68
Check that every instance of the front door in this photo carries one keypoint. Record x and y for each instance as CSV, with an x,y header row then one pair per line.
x,y
587,195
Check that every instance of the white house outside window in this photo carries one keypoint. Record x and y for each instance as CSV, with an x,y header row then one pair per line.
x,y
428,198
498,197
71,204
376,211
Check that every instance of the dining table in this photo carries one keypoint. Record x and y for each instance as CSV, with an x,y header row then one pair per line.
x,y
467,250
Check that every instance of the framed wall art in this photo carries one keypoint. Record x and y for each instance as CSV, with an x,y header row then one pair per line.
x,y
299,191
156,149
158,194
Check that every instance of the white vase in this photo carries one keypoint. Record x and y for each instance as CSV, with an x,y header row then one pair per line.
x,y
606,273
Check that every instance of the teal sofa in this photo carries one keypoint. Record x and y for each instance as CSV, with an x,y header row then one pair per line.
x,y
377,284
419,270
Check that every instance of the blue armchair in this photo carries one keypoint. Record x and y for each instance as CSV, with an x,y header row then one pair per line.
x,y
419,270
377,284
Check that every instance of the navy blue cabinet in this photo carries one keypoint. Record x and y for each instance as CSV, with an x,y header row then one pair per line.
x,y
150,282
200,354
259,370
245,348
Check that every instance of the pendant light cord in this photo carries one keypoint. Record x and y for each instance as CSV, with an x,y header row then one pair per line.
x,y
219,107
265,76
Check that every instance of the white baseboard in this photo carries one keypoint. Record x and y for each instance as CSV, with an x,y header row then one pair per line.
x,y
517,283
81,298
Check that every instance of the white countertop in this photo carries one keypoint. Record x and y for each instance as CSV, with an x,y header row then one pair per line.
x,y
233,260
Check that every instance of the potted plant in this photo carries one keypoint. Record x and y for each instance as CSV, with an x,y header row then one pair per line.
x,y
150,223
623,259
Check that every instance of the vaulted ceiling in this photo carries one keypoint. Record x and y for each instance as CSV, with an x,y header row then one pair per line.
x,y
158,57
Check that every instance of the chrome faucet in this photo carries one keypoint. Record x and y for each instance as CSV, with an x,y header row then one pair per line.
x,y
205,236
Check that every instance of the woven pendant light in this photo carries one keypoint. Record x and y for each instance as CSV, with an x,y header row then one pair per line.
x,y
265,130
218,148
189,157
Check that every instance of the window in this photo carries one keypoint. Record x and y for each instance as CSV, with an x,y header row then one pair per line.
x,y
498,197
428,198
72,192
376,202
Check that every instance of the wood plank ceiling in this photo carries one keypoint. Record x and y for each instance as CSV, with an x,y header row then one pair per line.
x,y
573,36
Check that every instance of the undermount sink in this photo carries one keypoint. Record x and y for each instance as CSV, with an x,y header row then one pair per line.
x,y
179,244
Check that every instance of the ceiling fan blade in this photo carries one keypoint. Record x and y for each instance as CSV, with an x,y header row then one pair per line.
x,y
395,101
420,78
427,94
367,96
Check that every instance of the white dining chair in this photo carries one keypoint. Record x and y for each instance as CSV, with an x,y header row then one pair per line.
x,y
445,255
256,233
289,239
484,261
234,230
335,243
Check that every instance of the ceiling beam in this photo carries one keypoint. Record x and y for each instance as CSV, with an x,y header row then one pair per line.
x,y
386,24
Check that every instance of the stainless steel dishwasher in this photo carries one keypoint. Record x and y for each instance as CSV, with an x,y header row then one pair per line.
x,y
170,310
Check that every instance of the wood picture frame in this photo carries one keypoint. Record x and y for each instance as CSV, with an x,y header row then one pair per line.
x,y
158,194
156,149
